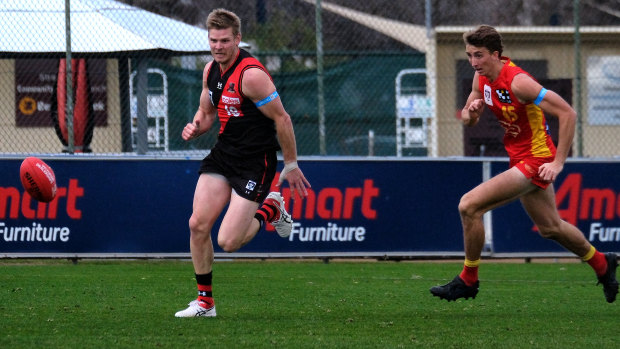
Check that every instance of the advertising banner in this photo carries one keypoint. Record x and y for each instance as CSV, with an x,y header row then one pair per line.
x,y
587,195
142,206
101,206
36,91
391,207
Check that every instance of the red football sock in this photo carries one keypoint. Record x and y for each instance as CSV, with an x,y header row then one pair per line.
x,y
268,210
597,261
470,272
205,294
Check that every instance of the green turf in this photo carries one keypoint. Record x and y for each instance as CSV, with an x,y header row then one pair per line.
x,y
308,304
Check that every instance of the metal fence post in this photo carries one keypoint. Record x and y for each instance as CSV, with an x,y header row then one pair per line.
x,y
141,104
319,77
577,45
69,106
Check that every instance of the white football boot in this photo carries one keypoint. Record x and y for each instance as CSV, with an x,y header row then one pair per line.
x,y
195,309
283,221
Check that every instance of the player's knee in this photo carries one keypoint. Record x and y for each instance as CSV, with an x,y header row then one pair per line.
x,y
549,231
228,245
194,224
467,208
198,228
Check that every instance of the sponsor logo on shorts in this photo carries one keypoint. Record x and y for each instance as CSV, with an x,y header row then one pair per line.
x,y
250,185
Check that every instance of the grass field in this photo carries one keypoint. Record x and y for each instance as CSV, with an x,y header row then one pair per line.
x,y
301,304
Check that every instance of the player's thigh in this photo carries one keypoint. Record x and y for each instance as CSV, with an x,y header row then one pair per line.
x,y
238,218
497,191
210,197
540,206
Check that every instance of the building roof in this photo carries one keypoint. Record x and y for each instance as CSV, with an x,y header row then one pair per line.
x,y
35,27
412,35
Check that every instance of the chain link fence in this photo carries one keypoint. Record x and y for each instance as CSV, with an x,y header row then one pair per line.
x,y
378,78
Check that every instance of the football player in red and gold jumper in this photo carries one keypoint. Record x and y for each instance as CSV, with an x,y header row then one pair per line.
x,y
520,103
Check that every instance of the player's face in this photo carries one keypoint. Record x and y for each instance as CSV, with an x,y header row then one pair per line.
x,y
224,45
482,60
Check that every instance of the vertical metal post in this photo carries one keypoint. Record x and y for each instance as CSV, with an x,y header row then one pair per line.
x,y
319,77
141,96
428,17
577,45
125,103
431,77
69,106
487,218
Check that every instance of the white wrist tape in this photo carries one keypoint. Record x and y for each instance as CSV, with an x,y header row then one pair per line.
x,y
288,168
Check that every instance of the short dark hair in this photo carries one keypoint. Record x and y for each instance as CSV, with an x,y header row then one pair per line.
x,y
485,36
223,19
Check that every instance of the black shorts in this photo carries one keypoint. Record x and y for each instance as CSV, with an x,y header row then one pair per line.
x,y
250,177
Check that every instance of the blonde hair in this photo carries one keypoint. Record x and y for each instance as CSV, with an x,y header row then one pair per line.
x,y
223,19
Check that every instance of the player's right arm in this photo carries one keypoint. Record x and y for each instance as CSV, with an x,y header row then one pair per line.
x,y
206,113
470,114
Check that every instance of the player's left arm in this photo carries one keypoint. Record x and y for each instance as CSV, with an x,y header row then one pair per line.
x,y
257,86
528,90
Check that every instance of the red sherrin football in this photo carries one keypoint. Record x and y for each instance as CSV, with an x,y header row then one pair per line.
x,y
38,179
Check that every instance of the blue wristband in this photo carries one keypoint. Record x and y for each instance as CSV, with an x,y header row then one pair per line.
x,y
541,95
267,99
